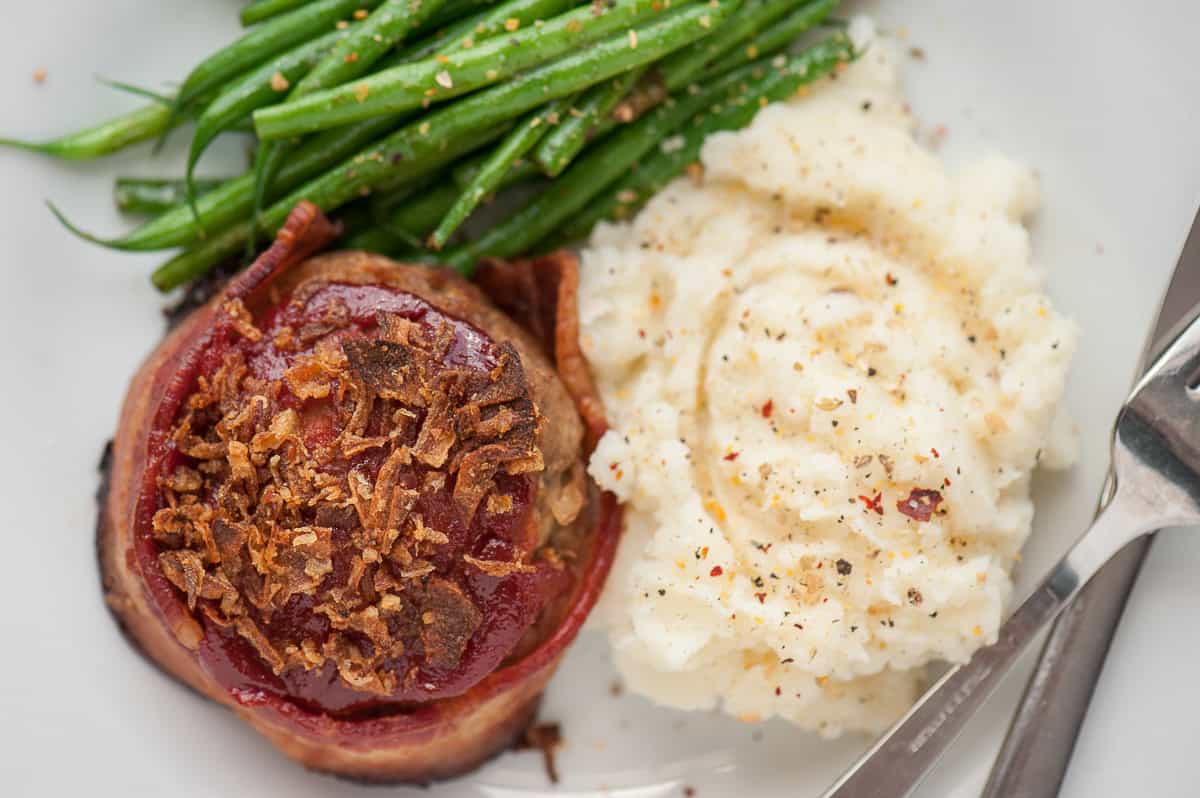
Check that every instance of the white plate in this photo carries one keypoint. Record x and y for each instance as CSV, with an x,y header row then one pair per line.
x,y
1102,97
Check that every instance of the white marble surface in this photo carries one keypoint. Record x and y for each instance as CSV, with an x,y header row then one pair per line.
x,y
1102,97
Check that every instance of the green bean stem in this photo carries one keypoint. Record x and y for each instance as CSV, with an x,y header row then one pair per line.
x,y
263,42
603,166
560,146
404,155
150,196
259,10
499,163
411,86
774,38
106,138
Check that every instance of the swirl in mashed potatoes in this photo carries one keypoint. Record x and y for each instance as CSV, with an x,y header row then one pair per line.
x,y
830,371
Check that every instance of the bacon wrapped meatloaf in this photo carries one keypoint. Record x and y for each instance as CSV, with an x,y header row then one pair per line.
x,y
347,499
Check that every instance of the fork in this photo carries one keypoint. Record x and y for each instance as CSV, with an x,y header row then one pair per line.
x,y
1156,474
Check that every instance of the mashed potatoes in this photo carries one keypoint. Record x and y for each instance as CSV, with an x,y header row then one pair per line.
x,y
830,371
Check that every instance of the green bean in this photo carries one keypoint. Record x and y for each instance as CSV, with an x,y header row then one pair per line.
x,y
410,86
607,164
259,10
263,42
260,86
458,128
773,39
463,173
149,196
198,260
681,68
105,138
564,142
387,25
491,173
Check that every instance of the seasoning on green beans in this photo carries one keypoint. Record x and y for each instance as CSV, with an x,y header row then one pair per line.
x,y
410,86
563,143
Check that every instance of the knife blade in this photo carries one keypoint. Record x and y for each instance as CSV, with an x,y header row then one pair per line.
x,y
1037,749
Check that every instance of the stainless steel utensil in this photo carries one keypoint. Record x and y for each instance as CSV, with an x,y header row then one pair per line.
x,y
1156,476
1037,749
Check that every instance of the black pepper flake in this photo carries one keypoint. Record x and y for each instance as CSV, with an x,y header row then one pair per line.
x,y
758,581
662,592
871,372
844,568
914,596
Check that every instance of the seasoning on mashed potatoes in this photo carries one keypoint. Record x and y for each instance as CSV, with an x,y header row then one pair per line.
x,y
830,370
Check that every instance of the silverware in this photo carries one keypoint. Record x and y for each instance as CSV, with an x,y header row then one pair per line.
x,y
1037,749
1156,477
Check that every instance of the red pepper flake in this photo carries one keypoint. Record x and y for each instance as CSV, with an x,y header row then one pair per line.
x,y
945,482
612,466
716,571
890,278
875,504
762,597
689,791
920,505
853,394
641,333
768,408
934,451
778,691
731,456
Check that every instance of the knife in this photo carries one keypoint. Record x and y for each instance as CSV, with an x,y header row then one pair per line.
x,y
1037,749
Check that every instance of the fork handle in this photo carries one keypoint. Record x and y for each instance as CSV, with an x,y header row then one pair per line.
x,y
898,762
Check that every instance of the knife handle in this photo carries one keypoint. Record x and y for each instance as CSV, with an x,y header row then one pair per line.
x,y
1037,750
